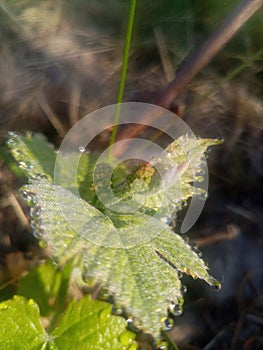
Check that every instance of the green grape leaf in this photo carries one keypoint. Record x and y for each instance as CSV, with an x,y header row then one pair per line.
x,y
33,154
140,268
87,324
20,326
135,256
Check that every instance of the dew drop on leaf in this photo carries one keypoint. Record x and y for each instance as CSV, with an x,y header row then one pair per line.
x,y
183,289
163,346
202,196
131,326
164,220
175,309
38,177
180,274
216,285
35,212
25,165
30,198
178,311
12,134
12,141
3,307
168,323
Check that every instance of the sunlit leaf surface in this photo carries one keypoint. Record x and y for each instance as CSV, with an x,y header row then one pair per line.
x,y
85,325
135,256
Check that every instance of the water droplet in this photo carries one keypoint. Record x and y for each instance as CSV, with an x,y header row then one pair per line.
x,y
35,212
131,325
183,289
180,274
12,134
38,177
196,249
17,153
199,253
163,345
30,197
11,143
82,149
216,285
175,309
164,220
168,323
199,178
36,227
200,172
4,307
202,196
22,165
178,311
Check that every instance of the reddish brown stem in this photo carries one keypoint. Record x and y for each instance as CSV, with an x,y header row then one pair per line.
x,y
209,49
198,60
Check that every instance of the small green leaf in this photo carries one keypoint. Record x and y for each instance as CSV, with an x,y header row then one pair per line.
x,y
20,326
86,325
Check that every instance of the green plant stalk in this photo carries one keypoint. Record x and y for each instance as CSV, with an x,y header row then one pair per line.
x,y
123,71
170,341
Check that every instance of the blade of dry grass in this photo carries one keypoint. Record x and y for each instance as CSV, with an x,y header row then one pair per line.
x,y
53,118
74,104
163,52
